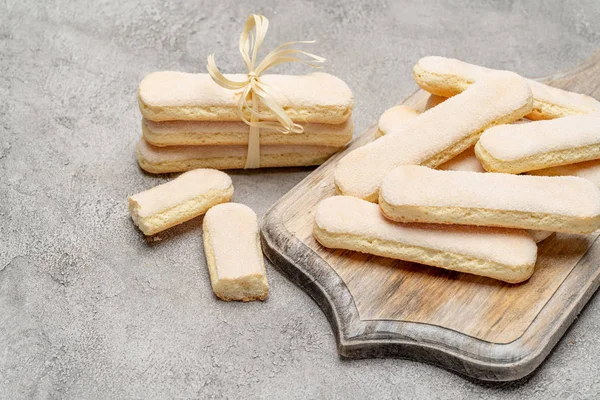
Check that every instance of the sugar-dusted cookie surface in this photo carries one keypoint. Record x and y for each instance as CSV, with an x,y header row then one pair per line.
x,y
502,97
211,133
542,144
233,253
448,77
398,115
316,98
185,197
413,193
161,160
344,222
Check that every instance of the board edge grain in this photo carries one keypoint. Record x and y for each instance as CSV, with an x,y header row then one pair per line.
x,y
356,338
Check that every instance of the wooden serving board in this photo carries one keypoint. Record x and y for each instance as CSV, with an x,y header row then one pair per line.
x,y
476,326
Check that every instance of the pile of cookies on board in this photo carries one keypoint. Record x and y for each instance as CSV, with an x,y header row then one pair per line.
x,y
469,185
190,122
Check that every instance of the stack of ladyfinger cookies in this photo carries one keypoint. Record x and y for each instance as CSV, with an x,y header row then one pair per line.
x,y
472,183
191,122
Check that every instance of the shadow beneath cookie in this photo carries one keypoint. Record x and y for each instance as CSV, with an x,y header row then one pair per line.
x,y
269,171
193,226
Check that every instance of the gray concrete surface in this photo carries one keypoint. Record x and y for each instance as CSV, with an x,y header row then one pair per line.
x,y
90,309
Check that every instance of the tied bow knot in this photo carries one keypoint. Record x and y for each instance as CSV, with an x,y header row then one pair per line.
x,y
257,99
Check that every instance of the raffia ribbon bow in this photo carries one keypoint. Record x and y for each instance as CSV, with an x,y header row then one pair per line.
x,y
257,95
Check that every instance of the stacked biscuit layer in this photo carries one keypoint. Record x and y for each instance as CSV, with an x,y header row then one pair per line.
x,y
191,122
473,213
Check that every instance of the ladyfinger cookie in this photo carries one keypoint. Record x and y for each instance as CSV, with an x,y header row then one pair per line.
x,y
394,117
233,253
344,222
217,133
525,147
437,135
398,115
412,193
315,98
161,160
185,197
448,77
465,161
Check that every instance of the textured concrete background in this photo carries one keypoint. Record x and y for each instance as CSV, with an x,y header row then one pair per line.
x,y
90,309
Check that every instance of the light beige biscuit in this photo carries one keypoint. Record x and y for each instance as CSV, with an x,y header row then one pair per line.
x,y
542,144
589,170
185,197
344,222
213,133
394,117
467,161
161,160
398,115
448,77
314,98
233,253
412,193
501,98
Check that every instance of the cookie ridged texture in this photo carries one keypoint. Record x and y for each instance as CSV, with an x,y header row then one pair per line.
x,y
170,95
502,97
354,224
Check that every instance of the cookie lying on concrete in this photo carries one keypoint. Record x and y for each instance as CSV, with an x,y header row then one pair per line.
x,y
344,222
185,197
233,253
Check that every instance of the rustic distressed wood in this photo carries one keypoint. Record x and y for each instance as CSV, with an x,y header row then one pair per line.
x,y
476,326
